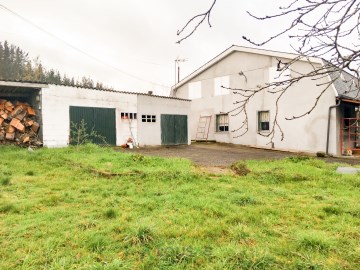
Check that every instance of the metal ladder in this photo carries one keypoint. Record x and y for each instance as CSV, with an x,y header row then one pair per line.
x,y
202,132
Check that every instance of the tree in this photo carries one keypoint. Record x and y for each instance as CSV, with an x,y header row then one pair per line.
x,y
326,29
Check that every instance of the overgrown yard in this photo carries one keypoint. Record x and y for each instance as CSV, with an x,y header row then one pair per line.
x,y
94,208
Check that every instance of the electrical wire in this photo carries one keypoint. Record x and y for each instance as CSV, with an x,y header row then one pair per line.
x,y
77,49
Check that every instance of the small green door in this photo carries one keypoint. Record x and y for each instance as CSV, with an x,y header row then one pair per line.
x,y
174,129
101,120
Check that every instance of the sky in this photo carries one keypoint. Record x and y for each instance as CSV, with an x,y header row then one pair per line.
x,y
130,45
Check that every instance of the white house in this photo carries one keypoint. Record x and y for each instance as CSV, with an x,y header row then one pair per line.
x,y
147,119
213,108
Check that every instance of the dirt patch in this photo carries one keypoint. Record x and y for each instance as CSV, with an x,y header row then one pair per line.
x,y
216,170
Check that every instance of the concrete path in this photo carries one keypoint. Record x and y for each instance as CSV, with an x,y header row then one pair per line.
x,y
220,154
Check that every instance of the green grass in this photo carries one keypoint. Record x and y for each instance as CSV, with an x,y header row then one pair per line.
x,y
94,208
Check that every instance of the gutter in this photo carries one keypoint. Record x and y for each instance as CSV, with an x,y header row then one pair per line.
x,y
328,125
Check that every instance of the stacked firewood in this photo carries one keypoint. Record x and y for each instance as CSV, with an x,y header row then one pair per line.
x,y
18,124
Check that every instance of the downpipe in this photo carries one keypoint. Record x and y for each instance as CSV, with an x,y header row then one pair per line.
x,y
328,125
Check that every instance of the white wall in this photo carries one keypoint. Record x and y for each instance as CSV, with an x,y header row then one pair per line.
x,y
150,133
56,101
304,134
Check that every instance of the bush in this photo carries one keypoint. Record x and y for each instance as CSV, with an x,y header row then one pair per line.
x,y
5,180
240,168
110,213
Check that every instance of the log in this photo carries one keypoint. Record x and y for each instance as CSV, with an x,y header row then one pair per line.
x,y
3,114
9,106
31,111
10,129
17,124
29,122
21,116
17,110
26,139
35,127
10,136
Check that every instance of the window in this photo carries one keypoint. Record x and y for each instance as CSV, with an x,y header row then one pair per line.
x,y
128,115
194,90
221,81
148,118
222,122
263,121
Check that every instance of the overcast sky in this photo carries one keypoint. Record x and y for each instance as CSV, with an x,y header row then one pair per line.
x,y
134,39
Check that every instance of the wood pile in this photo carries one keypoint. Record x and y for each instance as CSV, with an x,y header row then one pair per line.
x,y
18,124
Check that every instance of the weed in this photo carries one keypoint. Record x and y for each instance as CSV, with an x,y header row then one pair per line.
x,y
5,180
110,213
137,157
315,242
332,210
97,243
141,236
250,260
240,168
9,208
245,200
298,159
81,134
30,173
85,225
52,200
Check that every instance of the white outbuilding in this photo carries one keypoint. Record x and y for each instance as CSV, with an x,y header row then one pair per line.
x,y
119,116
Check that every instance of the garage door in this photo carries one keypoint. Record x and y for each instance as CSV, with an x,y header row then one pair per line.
x,y
174,129
101,120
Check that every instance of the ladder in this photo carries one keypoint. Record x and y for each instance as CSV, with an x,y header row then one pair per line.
x,y
202,132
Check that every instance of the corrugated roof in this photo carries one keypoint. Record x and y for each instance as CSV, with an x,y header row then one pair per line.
x,y
345,85
27,84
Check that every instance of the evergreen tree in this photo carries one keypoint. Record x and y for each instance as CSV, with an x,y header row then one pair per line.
x,y
16,65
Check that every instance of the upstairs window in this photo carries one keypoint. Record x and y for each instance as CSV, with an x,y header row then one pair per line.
x,y
195,90
263,121
218,83
222,123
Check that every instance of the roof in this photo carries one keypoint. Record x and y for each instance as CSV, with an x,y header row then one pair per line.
x,y
36,85
345,85
235,48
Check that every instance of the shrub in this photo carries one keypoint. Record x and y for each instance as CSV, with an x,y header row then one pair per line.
x,y
315,241
110,213
240,168
5,180
245,200
332,210
141,235
97,243
298,159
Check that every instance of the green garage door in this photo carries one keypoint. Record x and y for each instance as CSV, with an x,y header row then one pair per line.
x,y
101,120
174,129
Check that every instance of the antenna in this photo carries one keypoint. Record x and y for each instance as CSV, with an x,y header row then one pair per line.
x,y
177,61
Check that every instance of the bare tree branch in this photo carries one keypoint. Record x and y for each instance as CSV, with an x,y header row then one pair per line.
x,y
324,29
202,17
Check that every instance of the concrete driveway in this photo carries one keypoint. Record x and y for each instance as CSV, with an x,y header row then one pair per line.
x,y
220,154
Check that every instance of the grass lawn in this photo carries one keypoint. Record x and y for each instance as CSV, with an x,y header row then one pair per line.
x,y
68,209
